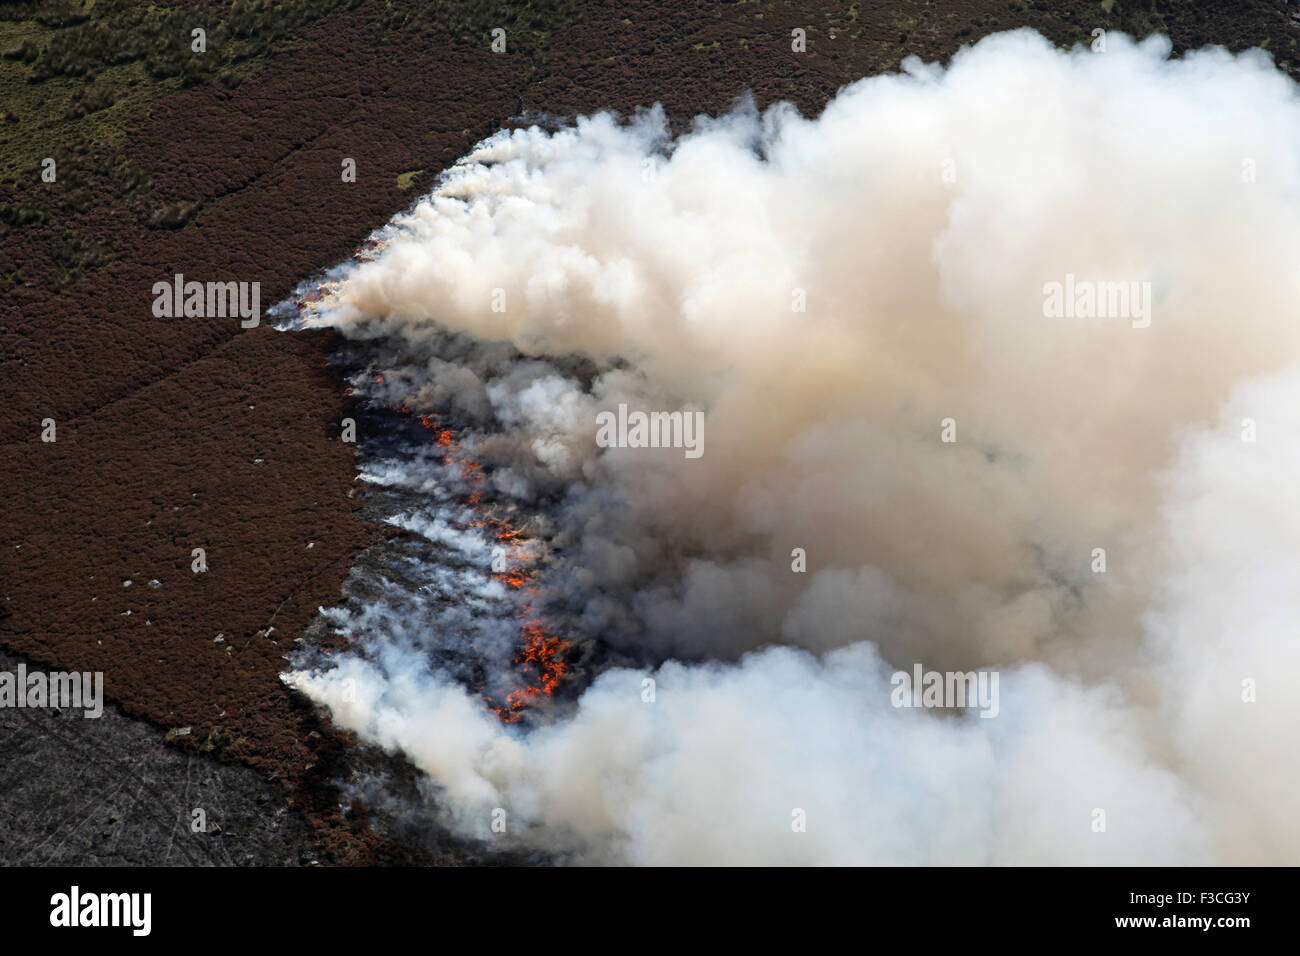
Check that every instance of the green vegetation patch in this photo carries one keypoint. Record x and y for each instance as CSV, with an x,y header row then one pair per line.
x,y
73,71
407,180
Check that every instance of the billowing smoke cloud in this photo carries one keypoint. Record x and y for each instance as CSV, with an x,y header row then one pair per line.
x,y
840,297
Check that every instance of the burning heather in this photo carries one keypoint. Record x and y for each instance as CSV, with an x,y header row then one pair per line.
x,y
920,459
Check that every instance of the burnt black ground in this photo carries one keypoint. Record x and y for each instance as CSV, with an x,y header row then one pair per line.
x,y
108,791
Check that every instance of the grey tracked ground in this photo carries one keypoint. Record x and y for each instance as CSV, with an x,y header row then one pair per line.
x,y
109,791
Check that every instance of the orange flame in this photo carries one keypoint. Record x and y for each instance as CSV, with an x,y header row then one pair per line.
x,y
540,660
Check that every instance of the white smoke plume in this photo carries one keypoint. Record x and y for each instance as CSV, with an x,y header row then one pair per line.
x,y
828,292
